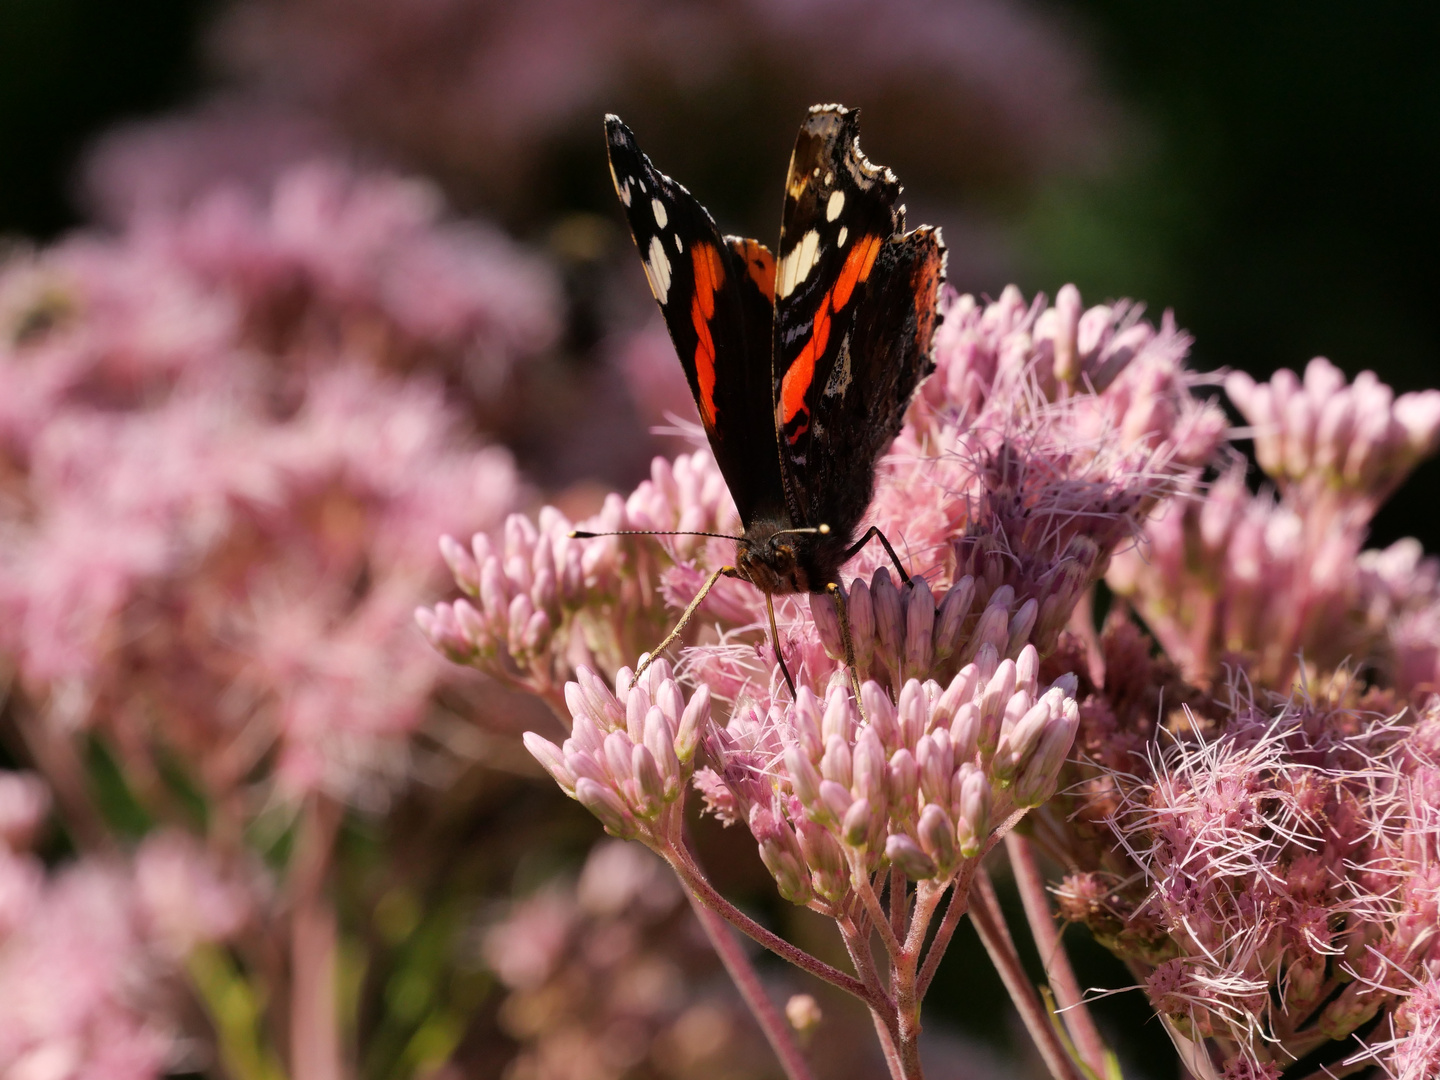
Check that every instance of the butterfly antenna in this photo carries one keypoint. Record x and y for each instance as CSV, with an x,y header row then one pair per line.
x,y
581,534
823,530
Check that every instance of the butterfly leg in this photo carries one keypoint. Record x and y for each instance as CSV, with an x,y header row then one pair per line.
x,y
874,531
725,571
775,644
837,595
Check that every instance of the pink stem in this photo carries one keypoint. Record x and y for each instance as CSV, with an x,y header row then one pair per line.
x,y
314,944
990,925
743,974
1057,965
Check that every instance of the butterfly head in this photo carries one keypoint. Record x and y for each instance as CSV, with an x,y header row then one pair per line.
x,y
779,559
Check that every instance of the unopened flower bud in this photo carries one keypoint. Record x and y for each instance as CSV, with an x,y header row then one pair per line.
x,y
937,837
552,759
965,731
661,745
950,619
889,615
617,748
993,629
860,609
804,778
934,766
880,712
839,718
908,857
780,851
692,722
855,828
803,1013
1036,781
1018,744
1021,623
912,713
670,701
836,765
601,705
993,699
827,625
919,627
869,767
607,806
805,722
903,781
649,785
1068,309
1027,669
829,872
971,791
462,565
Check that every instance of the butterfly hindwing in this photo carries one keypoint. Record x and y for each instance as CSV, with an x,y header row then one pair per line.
x,y
716,294
854,316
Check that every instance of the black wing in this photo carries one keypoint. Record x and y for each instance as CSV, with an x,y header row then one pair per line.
x,y
716,294
854,318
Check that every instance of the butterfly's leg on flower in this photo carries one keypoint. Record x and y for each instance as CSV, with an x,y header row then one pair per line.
x,y
725,571
837,595
874,531
775,644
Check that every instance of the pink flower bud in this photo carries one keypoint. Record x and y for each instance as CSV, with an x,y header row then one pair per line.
x,y
1017,744
951,617
804,779
861,612
855,827
919,626
869,765
937,837
903,780
805,722
1027,669
966,730
552,759
971,790
880,711
780,851
889,615
693,721
960,691
1036,781
992,701
618,748
935,766
649,785
602,707
993,629
1021,623
1067,334
836,764
912,713
836,799
829,872
908,857
586,735
839,718
661,744
670,701
827,625
607,806
462,565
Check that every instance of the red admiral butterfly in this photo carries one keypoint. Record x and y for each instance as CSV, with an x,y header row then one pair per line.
x,y
802,366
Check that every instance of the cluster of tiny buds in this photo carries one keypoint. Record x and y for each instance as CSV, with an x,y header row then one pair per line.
x,y
900,633
917,784
1360,437
631,752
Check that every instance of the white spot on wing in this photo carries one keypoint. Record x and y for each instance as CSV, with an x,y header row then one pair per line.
x,y
657,269
829,178
795,267
679,247
658,209
844,235
835,205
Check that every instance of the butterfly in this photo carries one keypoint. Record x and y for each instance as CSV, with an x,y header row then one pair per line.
x,y
802,361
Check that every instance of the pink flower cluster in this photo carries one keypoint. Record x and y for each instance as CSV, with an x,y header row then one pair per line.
x,y
1227,576
91,956
220,481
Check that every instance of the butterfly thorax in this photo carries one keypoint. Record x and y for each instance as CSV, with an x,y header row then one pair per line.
x,y
779,560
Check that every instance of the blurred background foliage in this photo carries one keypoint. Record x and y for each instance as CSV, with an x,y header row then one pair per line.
x,y
1265,169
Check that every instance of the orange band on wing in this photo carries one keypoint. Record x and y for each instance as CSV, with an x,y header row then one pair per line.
x,y
801,372
856,269
709,276
760,265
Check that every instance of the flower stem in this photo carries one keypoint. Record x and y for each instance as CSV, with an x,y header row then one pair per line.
x,y
708,895
747,981
315,1052
1058,972
990,925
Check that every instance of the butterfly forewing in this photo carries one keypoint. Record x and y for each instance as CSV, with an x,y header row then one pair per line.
x,y
715,293
854,313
